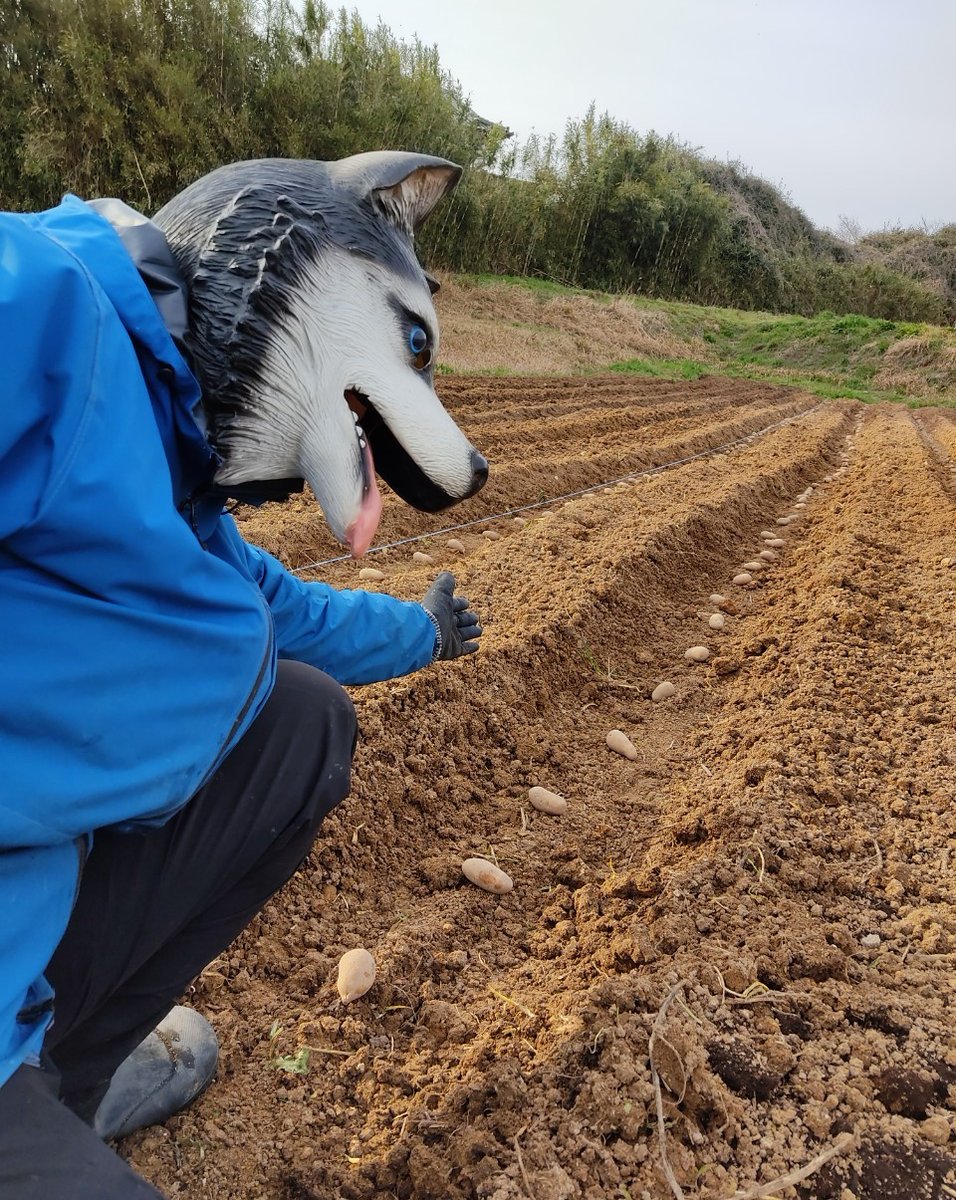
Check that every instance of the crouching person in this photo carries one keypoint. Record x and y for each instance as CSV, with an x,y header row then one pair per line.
x,y
173,726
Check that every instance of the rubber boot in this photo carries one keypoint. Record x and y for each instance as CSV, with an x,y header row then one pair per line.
x,y
168,1069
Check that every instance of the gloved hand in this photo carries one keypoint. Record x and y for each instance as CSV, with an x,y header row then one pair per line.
x,y
458,628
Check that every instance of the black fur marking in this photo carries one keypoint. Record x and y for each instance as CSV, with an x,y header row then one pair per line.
x,y
407,318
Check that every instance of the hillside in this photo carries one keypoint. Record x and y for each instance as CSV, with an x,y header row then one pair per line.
x,y
522,326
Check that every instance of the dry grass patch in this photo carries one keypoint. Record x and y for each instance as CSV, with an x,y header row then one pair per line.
x,y
489,327
912,363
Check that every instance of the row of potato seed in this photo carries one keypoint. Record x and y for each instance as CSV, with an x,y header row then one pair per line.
x,y
475,869
374,575
357,967
617,740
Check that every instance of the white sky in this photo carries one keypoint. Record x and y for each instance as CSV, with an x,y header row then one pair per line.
x,y
849,105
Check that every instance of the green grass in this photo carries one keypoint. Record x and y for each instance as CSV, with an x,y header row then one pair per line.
x,y
663,368
686,368
827,355
830,389
445,369
825,342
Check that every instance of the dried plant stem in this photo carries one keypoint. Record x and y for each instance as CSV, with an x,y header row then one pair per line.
x,y
521,1166
658,1097
516,1003
844,1142
621,683
142,178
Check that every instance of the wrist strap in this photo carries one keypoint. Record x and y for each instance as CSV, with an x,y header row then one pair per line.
x,y
436,653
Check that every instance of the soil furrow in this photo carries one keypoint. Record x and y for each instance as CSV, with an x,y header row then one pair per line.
x,y
569,441
297,534
779,852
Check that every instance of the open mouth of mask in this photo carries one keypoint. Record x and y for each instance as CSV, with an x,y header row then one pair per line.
x,y
383,454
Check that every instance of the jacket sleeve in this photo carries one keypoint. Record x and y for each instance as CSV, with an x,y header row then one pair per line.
x,y
354,636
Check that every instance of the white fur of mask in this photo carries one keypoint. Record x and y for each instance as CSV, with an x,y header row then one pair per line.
x,y
343,333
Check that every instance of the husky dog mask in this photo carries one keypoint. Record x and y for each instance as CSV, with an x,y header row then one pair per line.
x,y
314,335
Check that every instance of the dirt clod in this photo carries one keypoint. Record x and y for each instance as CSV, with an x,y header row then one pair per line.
x,y
742,1071
905,1091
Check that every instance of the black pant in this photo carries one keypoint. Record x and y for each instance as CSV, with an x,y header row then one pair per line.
x,y
153,909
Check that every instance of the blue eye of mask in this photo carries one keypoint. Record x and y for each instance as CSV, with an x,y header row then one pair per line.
x,y
421,351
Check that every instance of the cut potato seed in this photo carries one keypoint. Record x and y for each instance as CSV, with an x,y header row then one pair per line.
x,y
716,599
663,691
486,875
421,557
372,574
716,621
492,535
754,565
769,555
776,543
455,544
356,974
697,654
519,522
620,743
547,802
742,578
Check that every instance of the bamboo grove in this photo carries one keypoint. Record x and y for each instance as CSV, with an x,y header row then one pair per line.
x,y
136,98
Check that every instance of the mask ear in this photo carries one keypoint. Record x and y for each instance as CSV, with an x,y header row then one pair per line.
x,y
407,203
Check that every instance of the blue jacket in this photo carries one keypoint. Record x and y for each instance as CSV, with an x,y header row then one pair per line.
x,y
138,631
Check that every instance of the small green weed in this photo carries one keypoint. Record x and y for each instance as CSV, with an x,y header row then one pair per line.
x,y
590,658
293,1064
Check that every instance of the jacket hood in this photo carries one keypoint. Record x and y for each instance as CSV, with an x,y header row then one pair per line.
x,y
150,254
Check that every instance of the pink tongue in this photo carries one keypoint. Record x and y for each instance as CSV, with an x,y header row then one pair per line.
x,y
360,533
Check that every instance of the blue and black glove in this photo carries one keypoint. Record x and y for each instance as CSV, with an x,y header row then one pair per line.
x,y
457,627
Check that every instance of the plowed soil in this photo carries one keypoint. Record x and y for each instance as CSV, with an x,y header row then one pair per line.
x,y
732,960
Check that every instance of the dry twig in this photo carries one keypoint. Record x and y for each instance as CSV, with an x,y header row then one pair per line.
x,y
844,1142
766,997
524,1173
658,1096
510,1000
